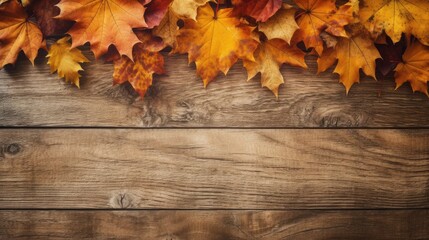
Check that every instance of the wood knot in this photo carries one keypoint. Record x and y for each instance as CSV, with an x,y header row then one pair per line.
x,y
124,200
13,149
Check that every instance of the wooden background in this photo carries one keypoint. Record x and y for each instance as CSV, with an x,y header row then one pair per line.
x,y
227,162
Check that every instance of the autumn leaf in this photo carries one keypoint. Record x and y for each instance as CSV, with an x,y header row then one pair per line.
x,y
66,60
147,61
155,12
103,23
17,33
316,16
396,17
414,68
168,29
353,53
282,25
45,11
326,60
187,8
270,56
215,42
260,10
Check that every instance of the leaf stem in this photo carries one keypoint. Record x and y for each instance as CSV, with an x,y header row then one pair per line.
x,y
217,9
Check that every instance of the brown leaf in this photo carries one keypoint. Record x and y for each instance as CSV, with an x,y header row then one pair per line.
x,y
147,61
155,12
45,11
260,10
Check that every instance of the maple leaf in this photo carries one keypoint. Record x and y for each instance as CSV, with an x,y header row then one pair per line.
x,y
260,10
44,11
316,16
414,68
103,23
17,33
187,8
270,56
156,11
147,61
282,25
168,29
353,53
65,60
396,17
215,42
326,60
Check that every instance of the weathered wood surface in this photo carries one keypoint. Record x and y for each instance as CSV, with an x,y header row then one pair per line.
x,y
211,225
209,168
33,97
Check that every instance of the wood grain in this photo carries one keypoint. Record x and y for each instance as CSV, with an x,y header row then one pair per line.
x,y
208,168
211,225
33,97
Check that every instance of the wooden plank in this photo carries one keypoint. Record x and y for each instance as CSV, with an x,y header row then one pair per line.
x,y
209,168
211,225
33,97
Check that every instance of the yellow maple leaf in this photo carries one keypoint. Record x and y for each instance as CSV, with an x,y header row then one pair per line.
x,y
147,61
103,23
414,68
270,56
396,17
17,33
66,60
215,41
282,25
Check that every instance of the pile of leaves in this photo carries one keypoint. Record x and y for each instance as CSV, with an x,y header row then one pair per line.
x,y
379,37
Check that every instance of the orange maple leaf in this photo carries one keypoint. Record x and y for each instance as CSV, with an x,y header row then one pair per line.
x,y
147,61
353,53
316,16
414,68
215,41
103,23
17,33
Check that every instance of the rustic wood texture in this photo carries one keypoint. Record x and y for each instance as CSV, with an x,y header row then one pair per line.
x,y
209,168
33,97
211,225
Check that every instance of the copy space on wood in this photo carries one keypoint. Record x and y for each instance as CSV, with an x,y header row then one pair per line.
x,y
30,96
210,225
209,168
